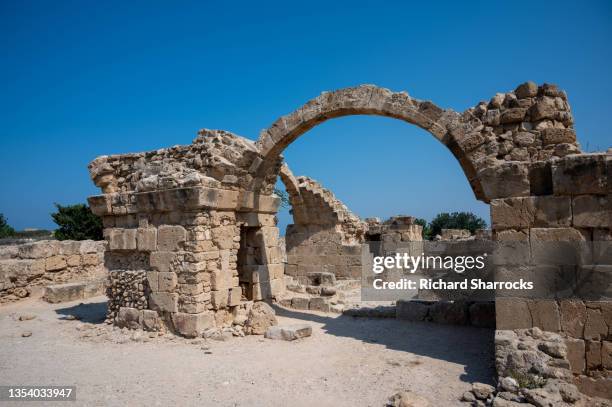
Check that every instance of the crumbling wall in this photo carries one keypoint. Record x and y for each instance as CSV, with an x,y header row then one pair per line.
x,y
575,215
28,267
325,236
173,220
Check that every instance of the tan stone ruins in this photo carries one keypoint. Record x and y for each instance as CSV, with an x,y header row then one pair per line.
x,y
192,236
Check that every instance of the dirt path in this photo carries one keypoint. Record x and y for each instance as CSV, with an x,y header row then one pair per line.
x,y
347,361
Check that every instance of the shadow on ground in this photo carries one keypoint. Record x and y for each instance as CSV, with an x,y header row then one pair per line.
x,y
93,312
467,346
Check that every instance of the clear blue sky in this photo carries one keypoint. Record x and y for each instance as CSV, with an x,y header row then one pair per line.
x,y
82,79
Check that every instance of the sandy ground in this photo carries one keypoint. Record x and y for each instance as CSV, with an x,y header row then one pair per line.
x,y
346,362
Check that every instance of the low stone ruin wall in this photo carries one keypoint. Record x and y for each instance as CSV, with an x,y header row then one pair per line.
x,y
28,268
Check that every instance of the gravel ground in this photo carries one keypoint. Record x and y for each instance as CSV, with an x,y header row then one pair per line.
x,y
346,362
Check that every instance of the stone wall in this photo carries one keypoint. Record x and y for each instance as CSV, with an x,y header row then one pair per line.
x,y
29,267
199,219
572,209
326,235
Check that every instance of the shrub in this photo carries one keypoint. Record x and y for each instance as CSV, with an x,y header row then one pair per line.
x,y
456,220
5,229
77,222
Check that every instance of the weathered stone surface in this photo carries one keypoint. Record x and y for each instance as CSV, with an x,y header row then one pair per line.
x,y
193,325
289,332
595,326
581,174
408,399
573,317
482,391
164,302
556,136
545,315
592,211
170,237
260,318
130,318
64,292
576,354
512,313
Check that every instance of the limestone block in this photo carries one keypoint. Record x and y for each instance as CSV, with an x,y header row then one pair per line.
x,y
73,260
235,296
39,250
192,288
163,261
545,315
164,302
193,325
576,355
267,236
606,355
170,237
219,298
596,387
516,213
55,263
594,282
512,313
193,307
554,135
94,288
151,320
69,247
319,304
121,239
581,174
64,292
268,289
272,255
167,282
560,246
573,317
595,327
289,332
92,246
509,179
130,318
91,259
153,280
146,239
593,355
220,280
223,236
300,303
592,211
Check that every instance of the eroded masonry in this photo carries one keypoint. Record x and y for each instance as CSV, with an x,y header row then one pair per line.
x,y
193,239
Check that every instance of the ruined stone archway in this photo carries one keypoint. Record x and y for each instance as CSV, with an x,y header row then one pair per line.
x,y
174,217
491,141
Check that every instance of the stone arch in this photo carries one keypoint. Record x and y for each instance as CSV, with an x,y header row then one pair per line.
x,y
493,141
368,100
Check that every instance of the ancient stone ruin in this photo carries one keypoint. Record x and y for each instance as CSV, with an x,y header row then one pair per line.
x,y
192,236
62,271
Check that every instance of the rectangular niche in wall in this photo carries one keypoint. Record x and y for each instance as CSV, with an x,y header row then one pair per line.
x,y
250,259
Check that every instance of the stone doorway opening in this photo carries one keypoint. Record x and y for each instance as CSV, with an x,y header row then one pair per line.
x,y
250,259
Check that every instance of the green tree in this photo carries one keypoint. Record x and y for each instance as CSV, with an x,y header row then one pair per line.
x,y
426,228
456,220
76,222
5,229
283,196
